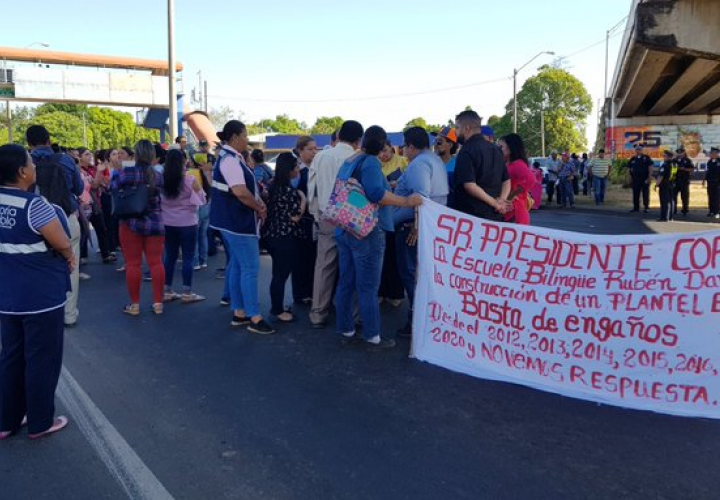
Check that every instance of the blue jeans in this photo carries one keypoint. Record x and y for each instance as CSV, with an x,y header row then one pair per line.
x,y
406,262
568,192
599,185
176,238
201,248
241,275
360,266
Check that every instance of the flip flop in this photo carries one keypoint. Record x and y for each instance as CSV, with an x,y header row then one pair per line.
x,y
132,309
170,296
157,308
58,424
189,298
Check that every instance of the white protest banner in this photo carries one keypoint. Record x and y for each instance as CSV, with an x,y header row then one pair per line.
x,y
632,321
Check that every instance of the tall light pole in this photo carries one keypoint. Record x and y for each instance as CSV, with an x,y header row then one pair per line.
x,y
515,73
172,122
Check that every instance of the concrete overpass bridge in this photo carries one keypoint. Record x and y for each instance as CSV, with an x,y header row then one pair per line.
x,y
668,74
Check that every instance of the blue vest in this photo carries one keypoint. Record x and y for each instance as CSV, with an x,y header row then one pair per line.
x,y
227,212
34,279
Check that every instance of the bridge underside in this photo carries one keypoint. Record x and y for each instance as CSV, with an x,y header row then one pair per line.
x,y
671,66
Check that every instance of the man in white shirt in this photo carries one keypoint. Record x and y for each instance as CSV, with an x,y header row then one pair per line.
x,y
323,172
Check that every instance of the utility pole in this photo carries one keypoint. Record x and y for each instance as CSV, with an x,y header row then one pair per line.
x,y
9,122
542,129
172,121
205,96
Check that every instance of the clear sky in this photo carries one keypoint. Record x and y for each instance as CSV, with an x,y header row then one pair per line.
x,y
311,58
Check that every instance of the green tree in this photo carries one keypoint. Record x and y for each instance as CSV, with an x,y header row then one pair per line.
x,y
326,125
65,129
111,128
51,107
566,103
283,124
21,120
501,125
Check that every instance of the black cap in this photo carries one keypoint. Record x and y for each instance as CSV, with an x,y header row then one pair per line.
x,y
714,150
667,152
680,150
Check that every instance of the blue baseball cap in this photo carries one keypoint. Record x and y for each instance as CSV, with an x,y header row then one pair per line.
x,y
487,131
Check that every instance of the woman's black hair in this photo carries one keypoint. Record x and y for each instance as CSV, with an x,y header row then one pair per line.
x,y
231,128
517,148
12,159
374,139
284,165
129,151
258,156
173,173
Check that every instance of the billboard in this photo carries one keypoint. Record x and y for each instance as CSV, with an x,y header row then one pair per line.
x,y
697,140
92,87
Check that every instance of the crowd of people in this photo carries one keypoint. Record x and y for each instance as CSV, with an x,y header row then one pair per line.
x,y
156,205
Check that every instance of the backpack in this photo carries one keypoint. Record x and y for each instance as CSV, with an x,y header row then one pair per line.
x,y
51,182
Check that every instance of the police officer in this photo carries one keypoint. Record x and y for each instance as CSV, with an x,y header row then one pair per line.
x,y
664,183
685,169
35,262
640,167
712,180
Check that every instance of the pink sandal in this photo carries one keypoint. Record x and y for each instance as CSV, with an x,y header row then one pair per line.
x,y
58,424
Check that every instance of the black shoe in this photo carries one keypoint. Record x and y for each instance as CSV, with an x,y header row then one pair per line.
x,y
240,320
405,332
662,220
354,340
261,327
646,210
634,210
685,213
710,215
382,346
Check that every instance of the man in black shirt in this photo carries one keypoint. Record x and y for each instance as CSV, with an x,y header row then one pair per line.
x,y
640,171
664,184
712,180
685,169
482,183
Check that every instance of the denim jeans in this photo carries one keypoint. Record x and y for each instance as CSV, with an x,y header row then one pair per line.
x,y
175,239
406,262
241,275
599,185
567,191
201,248
360,266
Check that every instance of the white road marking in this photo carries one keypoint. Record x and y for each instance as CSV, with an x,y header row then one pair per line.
x,y
121,460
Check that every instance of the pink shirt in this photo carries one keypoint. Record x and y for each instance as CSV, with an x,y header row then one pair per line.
x,y
182,211
521,176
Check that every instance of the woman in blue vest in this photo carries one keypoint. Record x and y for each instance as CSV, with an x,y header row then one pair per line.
x,y
237,212
36,257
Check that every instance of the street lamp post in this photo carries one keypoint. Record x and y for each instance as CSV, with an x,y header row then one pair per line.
x,y
172,122
515,73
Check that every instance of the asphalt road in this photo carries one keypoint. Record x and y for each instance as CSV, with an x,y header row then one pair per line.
x,y
209,412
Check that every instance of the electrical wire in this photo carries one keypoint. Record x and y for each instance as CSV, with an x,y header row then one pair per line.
x,y
420,92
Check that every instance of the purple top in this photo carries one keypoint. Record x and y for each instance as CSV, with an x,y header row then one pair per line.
x,y
182,211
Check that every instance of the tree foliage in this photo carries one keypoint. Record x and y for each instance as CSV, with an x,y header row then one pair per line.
x,y
326,125
74,125
567,105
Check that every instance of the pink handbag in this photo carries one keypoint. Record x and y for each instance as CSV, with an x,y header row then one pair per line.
x,y
350,210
